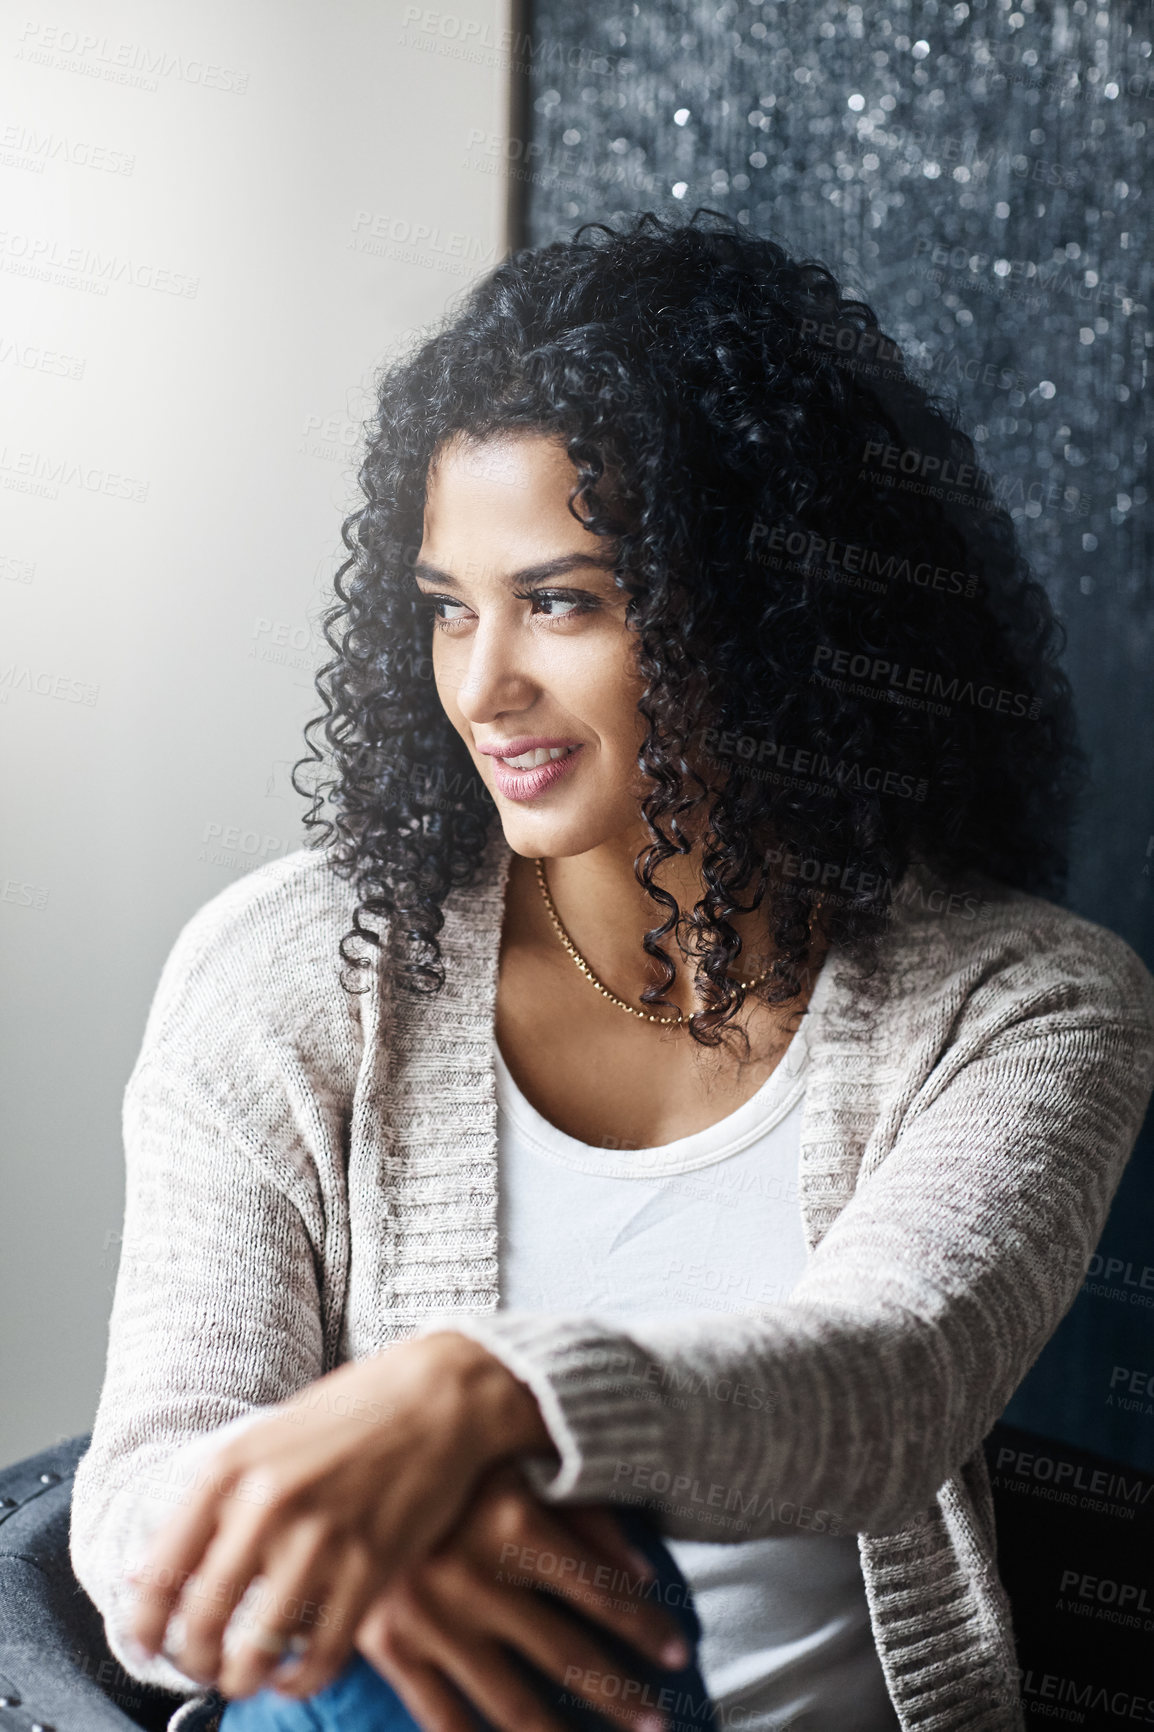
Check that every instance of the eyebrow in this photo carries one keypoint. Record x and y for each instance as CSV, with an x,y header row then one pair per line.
x,y
565,562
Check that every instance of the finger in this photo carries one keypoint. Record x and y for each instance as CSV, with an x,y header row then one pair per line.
x,y
283,1603
559,1561
159,1577
218,1484
452,1615
331,1634
425,1693
598,1524
227,1571
563,1651
487,1679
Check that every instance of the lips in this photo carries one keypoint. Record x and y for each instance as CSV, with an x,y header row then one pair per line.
x,y
535,757
529,783
522,743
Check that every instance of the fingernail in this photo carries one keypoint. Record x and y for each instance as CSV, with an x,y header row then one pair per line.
x,y
642,1564
650,1722
136,1651
675,1652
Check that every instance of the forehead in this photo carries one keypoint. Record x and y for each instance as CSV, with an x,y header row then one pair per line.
x,y
511,488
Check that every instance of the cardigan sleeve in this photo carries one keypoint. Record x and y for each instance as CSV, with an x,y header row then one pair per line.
x,y
215,1319
919,1313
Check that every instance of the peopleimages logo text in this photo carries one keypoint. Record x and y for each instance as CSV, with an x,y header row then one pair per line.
x,y
812,552
892,676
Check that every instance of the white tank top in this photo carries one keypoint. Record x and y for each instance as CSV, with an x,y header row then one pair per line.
x,y
711,1222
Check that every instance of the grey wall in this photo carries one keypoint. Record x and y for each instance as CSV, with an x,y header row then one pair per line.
x,y
974,171
216,222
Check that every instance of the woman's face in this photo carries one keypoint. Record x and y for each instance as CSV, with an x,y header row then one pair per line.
x,y
530,643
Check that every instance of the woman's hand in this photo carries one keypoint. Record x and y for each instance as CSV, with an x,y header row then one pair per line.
x,y
355,1477
445,1617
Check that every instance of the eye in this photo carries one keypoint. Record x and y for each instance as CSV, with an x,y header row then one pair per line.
x,y
573,601
435,603
578,600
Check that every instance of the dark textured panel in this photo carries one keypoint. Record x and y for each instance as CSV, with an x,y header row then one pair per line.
x,y
1074,1533
974,172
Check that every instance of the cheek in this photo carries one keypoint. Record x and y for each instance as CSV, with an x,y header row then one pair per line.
x,y
620,730
622,694
603,688
445,674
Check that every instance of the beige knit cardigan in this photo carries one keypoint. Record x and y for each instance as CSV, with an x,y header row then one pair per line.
x,y
312,1176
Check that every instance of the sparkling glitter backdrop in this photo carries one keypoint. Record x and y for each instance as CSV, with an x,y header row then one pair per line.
x,y
973,171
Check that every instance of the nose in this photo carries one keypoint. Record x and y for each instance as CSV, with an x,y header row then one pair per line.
x,y
497,677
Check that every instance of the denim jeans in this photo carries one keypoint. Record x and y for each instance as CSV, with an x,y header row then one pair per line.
x,y
360,1700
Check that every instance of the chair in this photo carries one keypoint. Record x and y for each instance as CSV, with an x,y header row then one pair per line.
x,y
1075,1539
57,1672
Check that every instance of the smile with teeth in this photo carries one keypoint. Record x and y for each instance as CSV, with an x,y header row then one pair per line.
x,y
541,755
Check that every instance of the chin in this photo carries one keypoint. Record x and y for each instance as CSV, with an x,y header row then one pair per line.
x,y
546,841
551,836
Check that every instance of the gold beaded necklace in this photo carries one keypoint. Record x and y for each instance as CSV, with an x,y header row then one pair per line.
x,y
589,974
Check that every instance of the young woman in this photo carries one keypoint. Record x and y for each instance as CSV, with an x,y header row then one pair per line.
x,y
668,1110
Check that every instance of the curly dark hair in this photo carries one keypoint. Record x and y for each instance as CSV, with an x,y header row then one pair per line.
x,y
851,674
